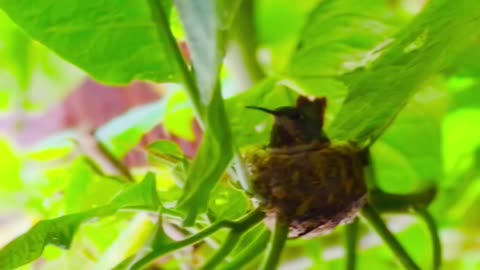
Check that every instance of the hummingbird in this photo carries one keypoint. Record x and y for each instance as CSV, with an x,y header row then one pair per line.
x,y
298,125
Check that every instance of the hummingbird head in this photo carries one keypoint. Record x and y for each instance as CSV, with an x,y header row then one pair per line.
x,y
302,124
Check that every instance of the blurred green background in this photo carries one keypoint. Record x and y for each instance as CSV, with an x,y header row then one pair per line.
x,y
48,166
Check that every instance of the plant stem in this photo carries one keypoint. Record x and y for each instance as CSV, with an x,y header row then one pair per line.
x,y
241,60
246,221
351,240
228,245
161,21
370,177
399,203
277,242
115,162
150,257
435,238
249,253
374,219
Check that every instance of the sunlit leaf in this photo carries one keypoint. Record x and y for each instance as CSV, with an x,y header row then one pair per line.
x,y
338,37
213,157
53,147
278,27
204,40
127,243
408,157
10,169
461,138
227,203
123,133
226,11
166,149
20,60
114,43
60,231
378,93
179,116
205,43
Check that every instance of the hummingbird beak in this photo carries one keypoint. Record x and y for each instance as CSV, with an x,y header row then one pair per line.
x,y
261,109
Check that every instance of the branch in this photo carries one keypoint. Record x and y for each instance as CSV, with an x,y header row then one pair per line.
x,y
243,223
351,240
435,238
373,218
275,247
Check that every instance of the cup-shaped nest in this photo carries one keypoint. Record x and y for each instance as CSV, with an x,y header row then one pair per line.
x,y
313,187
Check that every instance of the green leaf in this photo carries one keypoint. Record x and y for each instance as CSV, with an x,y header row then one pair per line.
x,y
179,116
5,99
10,169
160,239
16,53
460,139
205,43
226,10
427,44
408,156
60,231
278,25
18,50
165,149
114,43
199,20
142,195
128,243
227,202
81,179
250,127
338,37
172,165
213,157
124,132
53,147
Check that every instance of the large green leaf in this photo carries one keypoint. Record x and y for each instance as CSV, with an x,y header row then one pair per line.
x,y
408,156
115,43
86,188
124,132
227,202
199,20
339,37
278,24
205,42
60,231
179,115
424,46
226,10
15,52
213,157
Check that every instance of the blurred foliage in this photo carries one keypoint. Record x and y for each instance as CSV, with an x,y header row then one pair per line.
x,y
399,76
26,67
